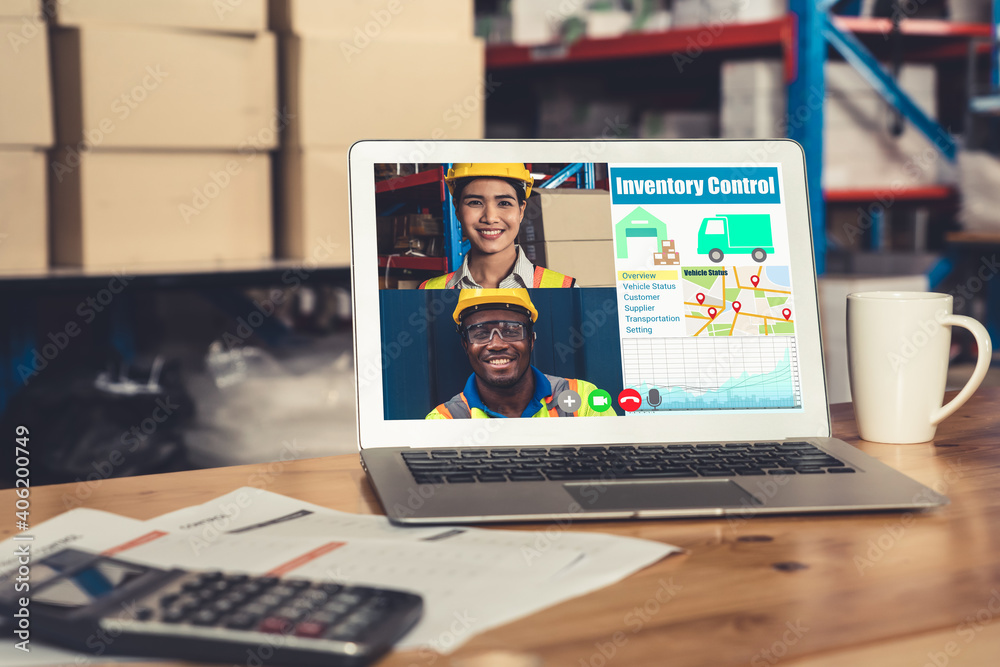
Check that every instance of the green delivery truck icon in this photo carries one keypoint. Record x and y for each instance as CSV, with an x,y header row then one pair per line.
x,y
745,234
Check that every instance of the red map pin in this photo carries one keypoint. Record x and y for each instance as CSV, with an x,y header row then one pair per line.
x,y
787,313
755,280
737,305
700,298
712,311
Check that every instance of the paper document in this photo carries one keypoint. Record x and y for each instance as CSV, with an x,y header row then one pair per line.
x,y
471,579
474,604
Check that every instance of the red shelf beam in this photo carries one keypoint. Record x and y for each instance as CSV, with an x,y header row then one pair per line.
x,y
927,193
411,262
414,180
778,32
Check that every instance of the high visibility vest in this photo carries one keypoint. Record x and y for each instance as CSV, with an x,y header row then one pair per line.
x,y
542,278
459,408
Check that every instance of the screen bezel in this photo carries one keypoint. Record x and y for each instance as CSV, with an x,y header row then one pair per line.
x,y
812,420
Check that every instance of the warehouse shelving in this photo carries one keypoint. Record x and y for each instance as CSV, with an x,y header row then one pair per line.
x,y
804,37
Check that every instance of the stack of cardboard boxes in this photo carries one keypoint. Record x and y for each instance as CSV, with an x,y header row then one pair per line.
x,y
25,131
366,69
668,255
165,113
569,231
860,151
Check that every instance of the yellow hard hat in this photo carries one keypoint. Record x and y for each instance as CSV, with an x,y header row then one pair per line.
x,y
514,170
496,299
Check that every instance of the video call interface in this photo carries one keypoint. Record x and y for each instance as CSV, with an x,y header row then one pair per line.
x,y
584,290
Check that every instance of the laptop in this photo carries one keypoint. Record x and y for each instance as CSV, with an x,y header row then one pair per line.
x,y
595,329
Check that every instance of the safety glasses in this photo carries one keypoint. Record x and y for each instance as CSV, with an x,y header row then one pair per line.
x,y
483,332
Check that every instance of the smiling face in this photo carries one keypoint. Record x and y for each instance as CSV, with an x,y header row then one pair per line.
x,y
499,363
490,214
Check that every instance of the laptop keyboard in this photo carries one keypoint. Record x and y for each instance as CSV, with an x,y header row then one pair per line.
x,y
456,466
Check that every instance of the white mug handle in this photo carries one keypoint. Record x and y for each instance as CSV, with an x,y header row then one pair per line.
x,y
982,365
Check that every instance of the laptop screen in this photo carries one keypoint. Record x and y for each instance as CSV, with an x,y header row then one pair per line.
x,y
670,292
609,289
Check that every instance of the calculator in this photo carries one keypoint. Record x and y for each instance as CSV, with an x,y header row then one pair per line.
x,y
101,605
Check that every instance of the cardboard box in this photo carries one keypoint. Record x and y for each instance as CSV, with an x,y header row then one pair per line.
x,y
314,213
367,20
592,263
238,16
115,209
18,9
566,214
23,212
25,86
141,88
391,90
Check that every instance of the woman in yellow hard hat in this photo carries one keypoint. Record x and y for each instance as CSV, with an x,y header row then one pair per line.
x,y
490,199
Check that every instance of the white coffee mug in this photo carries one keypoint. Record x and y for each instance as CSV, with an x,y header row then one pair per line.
x,y
898,346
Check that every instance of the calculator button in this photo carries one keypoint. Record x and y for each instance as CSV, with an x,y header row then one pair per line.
x,y
325,617
242,621
236,597
337,607
296,584
350,598
275,625
283,590
256,609
251,588
237,578
314,596
207,577
173,615
223,606
291,614
271,600
309,629
205,617
144,613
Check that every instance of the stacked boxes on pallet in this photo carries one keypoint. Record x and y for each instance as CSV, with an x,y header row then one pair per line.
x,y
166,113
365,69
25,132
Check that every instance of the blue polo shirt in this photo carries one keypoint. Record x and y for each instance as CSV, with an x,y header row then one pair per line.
x,y
543,389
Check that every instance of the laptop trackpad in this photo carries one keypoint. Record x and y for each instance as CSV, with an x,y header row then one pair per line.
x,y
661,494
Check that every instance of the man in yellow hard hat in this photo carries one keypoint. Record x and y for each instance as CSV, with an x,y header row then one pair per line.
x,y
496,326
489,199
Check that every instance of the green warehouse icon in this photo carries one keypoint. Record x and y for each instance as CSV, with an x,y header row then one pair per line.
x,y
638,223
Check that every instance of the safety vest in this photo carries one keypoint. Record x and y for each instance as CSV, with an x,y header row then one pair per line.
x,y
542,278
458,407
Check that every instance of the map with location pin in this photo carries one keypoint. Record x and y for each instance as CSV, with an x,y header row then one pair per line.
x,y
737,301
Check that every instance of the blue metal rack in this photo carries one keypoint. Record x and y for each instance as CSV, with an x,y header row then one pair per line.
x,y
816,29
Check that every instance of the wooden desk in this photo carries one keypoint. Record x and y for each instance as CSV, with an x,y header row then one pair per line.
x,y
880,589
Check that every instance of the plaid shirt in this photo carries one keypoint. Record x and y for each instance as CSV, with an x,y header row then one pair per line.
x,y
521,276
